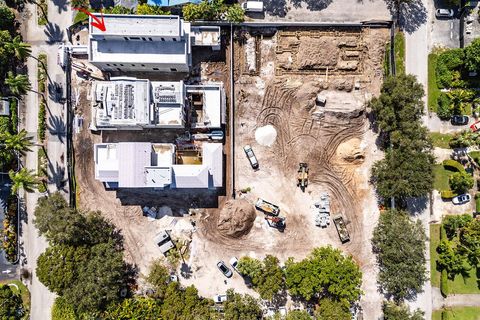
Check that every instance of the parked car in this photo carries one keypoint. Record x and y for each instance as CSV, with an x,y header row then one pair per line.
x,y
234,263
225,270
459,120
216,135
444,13
475,127
463,198
252,6
220,298
251,156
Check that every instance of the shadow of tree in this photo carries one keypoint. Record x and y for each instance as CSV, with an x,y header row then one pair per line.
x,y
53,33
56,126
186,271
61,4
410,15
56,174
55,91
276,7
314,5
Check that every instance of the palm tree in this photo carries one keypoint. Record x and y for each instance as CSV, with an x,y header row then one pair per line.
x,y
18,84
21,49
19,142
24,179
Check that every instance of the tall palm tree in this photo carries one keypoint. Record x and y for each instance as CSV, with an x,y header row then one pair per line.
x,y
18,84
24,179
21,49
19,142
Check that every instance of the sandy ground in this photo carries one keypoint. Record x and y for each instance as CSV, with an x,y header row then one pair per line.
x,y
335,140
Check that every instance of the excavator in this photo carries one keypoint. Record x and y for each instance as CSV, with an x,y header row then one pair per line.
x,y
302,176
276,222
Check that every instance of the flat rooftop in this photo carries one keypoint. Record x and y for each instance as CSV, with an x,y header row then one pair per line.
x,y
139,25
209,115
205,35
133,52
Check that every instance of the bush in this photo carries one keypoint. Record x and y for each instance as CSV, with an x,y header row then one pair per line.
x,y
448,62
445,315
443,233
447,194
460,182
477,202
42,126
444,111
444,283
453,165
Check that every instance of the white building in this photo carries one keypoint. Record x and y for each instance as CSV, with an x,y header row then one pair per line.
x,y
128,103
141,43
150,165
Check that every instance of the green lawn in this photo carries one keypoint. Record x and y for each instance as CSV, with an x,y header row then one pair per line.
x,y
433,91
434,242
459,313
441,177
23,292
441,140
400,53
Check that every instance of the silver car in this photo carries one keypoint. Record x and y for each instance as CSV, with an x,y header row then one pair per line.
x,y
444,13
225,270
251,156
461,199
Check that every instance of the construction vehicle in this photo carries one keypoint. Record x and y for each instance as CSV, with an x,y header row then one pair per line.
x,y
341,228
276,222
267,207
302,176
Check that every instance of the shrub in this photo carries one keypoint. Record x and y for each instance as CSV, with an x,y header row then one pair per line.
x,y
447,194
448,62
460,181
445,315
444,111
453,165
42,126
477,202
444,283
443,233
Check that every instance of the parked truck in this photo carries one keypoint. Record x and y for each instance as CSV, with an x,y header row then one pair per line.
x,y
341,228
267,207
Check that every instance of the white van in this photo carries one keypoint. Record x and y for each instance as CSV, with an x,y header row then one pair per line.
x,y
253,6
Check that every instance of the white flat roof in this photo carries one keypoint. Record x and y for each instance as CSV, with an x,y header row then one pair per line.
x,y
133,52
158,177
205,35
135,157
213,158
106,162
139,25
190,176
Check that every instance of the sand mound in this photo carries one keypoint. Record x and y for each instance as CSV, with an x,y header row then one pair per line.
x,y
266,135
236,218
351,151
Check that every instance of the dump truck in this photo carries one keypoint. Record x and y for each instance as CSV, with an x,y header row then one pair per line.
x,y
276,222
267,207
341,228
302,176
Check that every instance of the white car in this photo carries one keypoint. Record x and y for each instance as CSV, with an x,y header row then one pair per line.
x,y
234,263
461,199
444,13
220,298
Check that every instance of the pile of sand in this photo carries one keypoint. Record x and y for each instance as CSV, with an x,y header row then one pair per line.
x,y
351,151
266,135
236,218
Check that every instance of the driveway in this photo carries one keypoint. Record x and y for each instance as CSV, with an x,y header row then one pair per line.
x,y
445,32
338,11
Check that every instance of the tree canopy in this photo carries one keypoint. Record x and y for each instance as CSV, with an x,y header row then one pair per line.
x,y
211,10
328,309
460,182
158,278
241,307
266,276
326,271
11,304
472,55
400,247
392,311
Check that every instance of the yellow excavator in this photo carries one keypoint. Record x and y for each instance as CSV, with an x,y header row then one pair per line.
x,y
302,176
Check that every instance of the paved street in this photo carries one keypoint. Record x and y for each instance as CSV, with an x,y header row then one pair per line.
x,y
44,39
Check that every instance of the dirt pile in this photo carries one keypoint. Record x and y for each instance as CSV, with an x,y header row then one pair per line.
x,y
351,151
266,135
236,218
316,53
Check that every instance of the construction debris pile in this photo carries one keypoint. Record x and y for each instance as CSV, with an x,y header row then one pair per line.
x,y
236,218
322,211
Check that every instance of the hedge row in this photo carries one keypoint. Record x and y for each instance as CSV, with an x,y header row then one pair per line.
x,y
10,230
42,118
453,165
444,283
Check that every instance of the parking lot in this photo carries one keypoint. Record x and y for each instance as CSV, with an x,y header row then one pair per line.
x,y
445,32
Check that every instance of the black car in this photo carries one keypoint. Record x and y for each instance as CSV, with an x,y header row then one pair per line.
x,y
459,120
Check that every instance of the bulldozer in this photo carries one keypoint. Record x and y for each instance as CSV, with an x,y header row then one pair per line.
x,y
276,222
302,176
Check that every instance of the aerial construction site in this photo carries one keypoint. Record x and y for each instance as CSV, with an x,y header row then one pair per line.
x,y
301,155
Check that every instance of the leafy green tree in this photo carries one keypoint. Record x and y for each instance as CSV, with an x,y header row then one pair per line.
x,y
11,304
84,4
61,310
18,84
158,278
118,10
472,55
19,142
400,247
7,19
460,99
329,309
58,267
251,268
266,276
298,315
20,49
325,271
460,182
404,173
241,307
5,52
146,9
46,211
453,223
451,260
470,242
134,308
392,311
24,179
206,10
182,304
235,13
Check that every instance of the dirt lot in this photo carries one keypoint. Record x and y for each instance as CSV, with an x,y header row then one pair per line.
x,y
277,78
